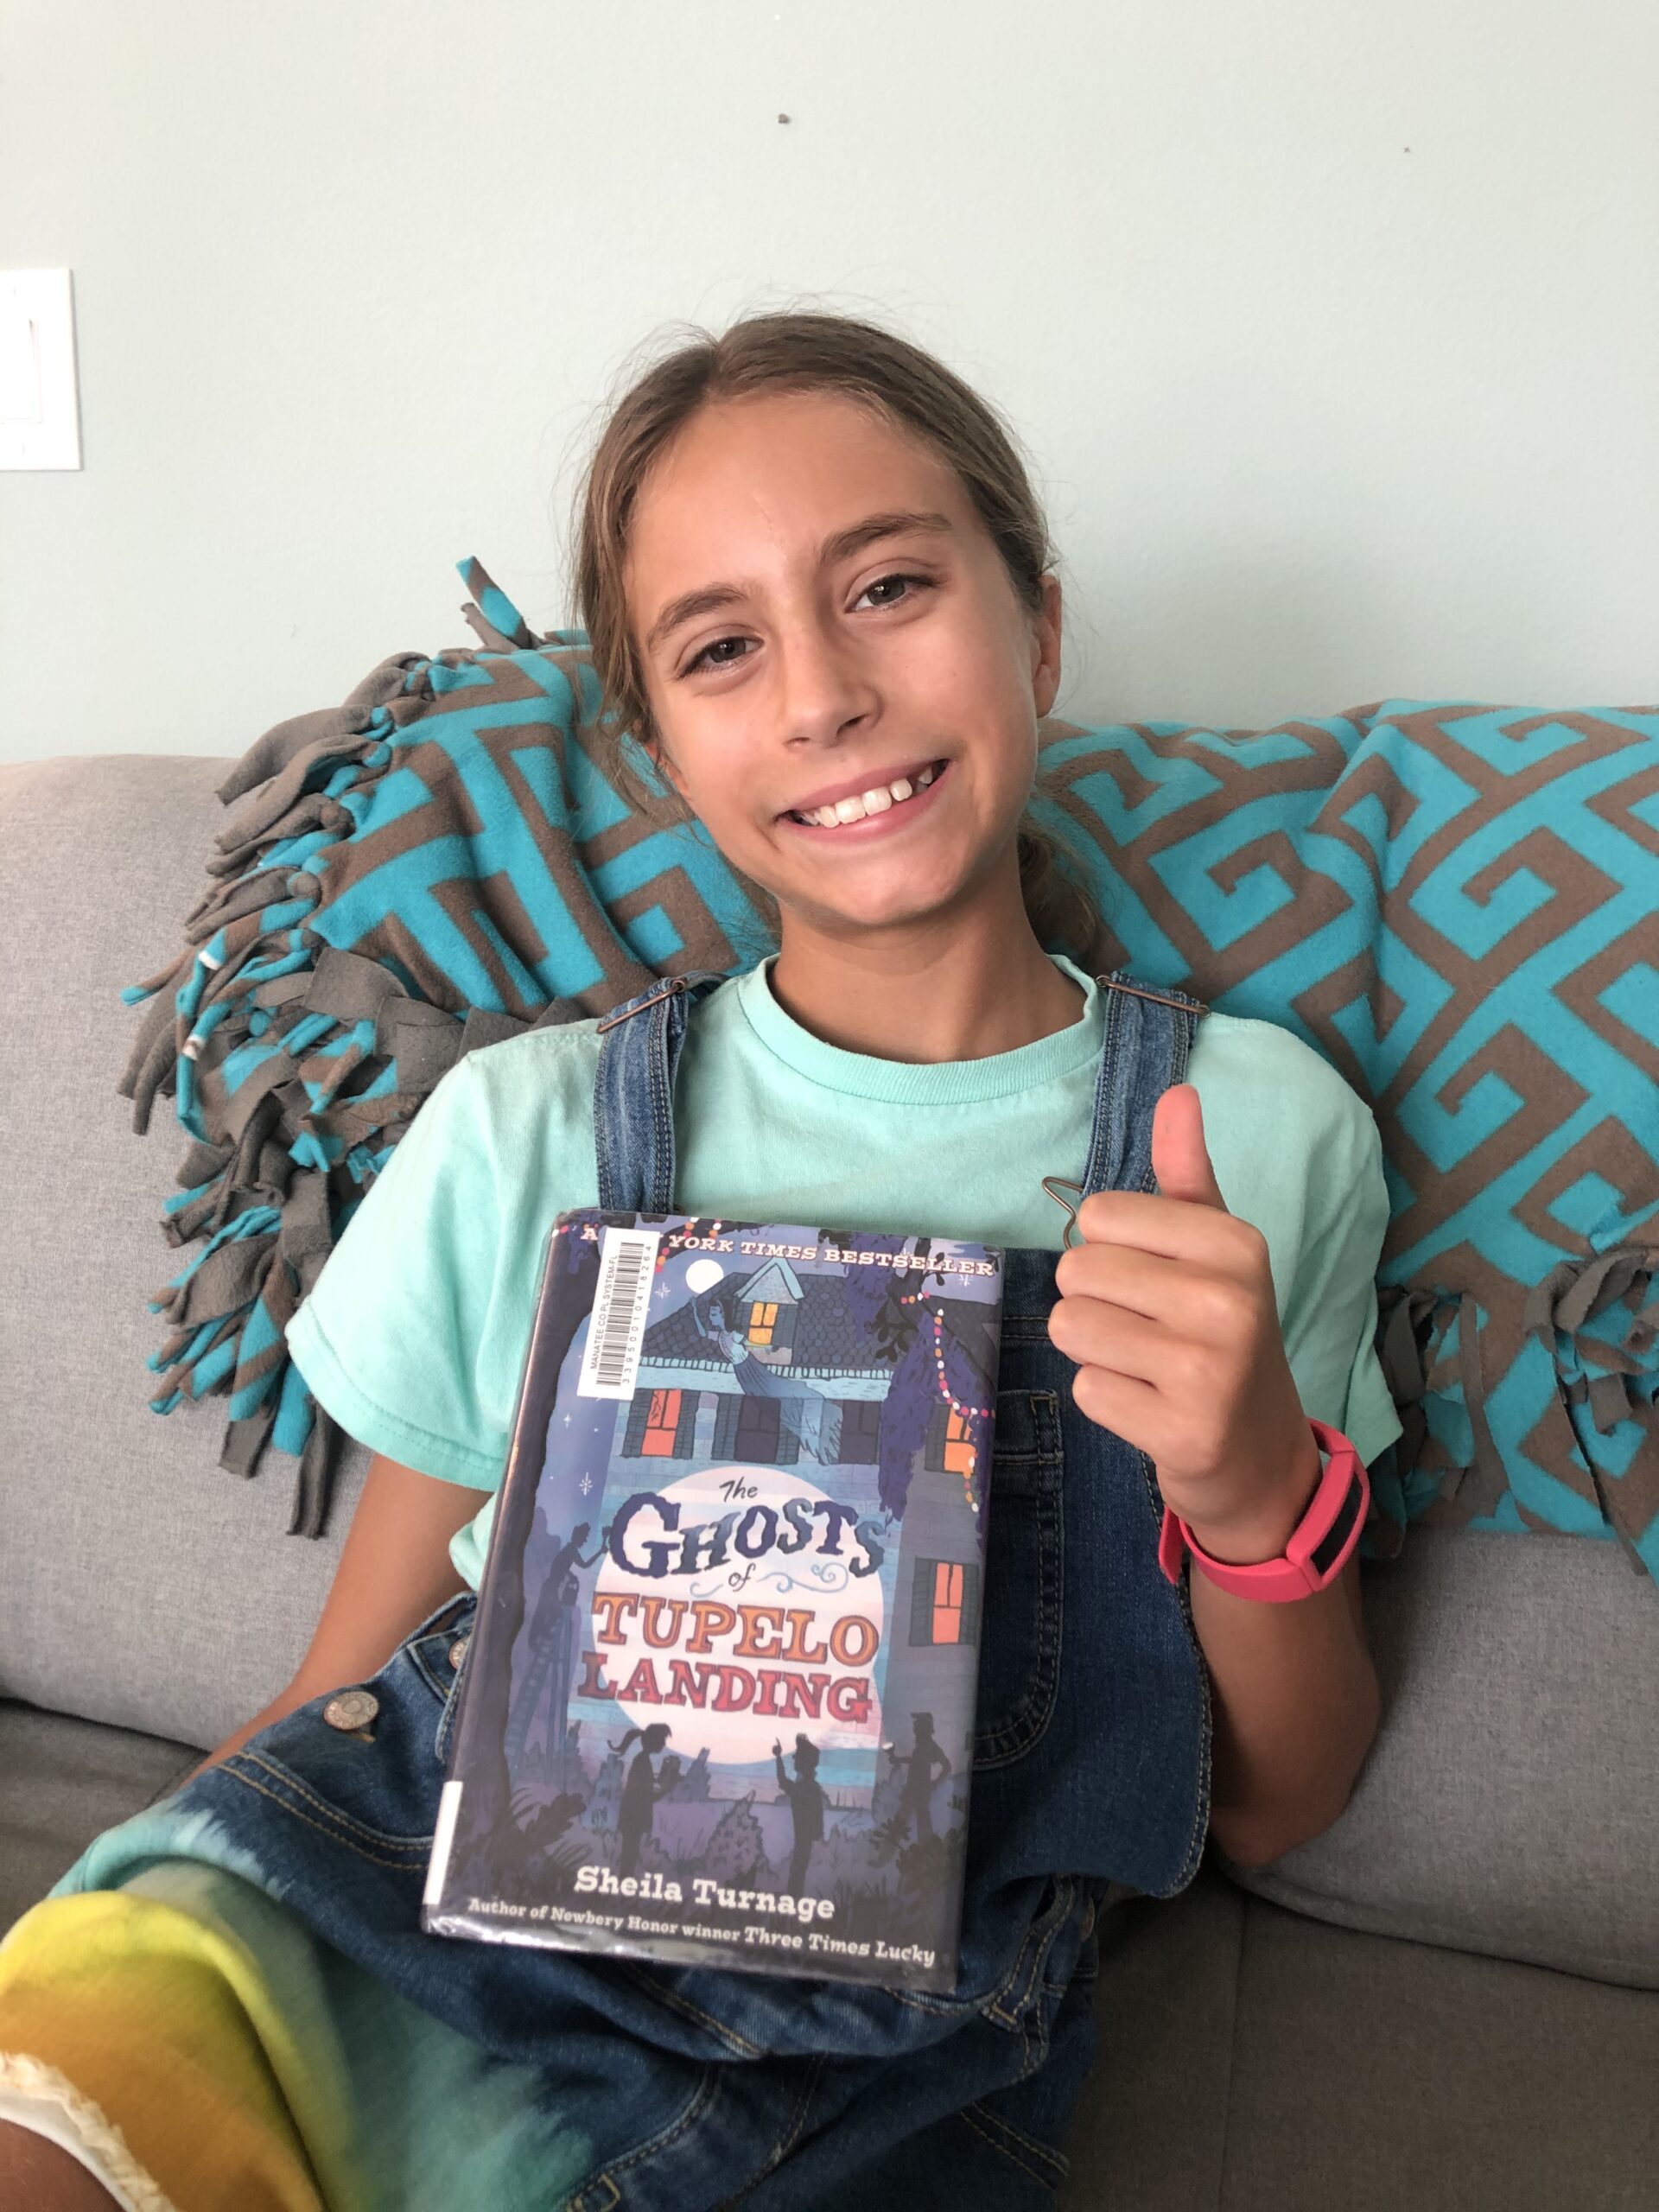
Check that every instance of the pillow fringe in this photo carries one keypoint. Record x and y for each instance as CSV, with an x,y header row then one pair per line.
x,y
296,1064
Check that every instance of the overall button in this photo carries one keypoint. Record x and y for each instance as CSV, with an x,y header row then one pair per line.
x,y
350,1710
458,1650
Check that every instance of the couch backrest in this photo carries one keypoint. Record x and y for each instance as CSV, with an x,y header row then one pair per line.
x,y
1508,1805
140,1583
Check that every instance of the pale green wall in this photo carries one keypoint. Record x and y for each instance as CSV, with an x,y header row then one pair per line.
x,y
1320,419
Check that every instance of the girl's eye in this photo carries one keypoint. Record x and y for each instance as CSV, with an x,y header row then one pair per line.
x,y
715,655
899,577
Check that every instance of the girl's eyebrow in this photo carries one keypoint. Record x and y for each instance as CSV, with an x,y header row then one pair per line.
x,y
837,547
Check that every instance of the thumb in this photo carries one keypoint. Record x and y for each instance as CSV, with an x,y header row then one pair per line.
x,y
1180,1158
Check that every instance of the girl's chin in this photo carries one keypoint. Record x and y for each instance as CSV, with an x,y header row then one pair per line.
x,y
899,906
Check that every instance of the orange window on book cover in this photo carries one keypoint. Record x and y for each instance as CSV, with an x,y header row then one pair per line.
x,y
763,1319
661,1424
958,1444
947,1581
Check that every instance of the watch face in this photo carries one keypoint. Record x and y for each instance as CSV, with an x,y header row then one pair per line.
x,y
1323,1557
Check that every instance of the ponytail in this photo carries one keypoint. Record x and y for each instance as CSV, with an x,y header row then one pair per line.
x,y
1061,913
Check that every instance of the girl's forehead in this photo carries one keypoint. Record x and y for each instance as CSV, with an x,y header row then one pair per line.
x,y
765,472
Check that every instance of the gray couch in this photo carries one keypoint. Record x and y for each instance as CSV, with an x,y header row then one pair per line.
x,y
1447,2001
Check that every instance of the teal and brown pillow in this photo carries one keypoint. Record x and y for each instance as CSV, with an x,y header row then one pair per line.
x,y
1456,904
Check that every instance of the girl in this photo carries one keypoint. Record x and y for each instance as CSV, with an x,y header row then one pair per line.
x,y
820,594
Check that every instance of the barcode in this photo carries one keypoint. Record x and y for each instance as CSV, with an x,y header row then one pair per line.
x,y
627,1264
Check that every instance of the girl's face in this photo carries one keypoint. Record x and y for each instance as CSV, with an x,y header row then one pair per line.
x,y
823,618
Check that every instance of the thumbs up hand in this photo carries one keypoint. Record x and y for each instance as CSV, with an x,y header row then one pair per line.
x,y
1168,1308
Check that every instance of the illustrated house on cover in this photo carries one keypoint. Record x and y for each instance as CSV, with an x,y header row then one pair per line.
x,y
690,1403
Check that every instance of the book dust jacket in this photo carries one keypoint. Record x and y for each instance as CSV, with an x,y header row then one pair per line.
x,y
717,1708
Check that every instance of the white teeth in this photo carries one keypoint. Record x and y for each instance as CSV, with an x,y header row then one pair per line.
x,y
877,800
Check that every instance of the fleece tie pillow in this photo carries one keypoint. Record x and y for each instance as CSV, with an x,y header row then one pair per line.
x,y
1454,903
1458,904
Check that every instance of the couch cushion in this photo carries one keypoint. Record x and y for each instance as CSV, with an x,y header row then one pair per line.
x,y
63,1782
1508,1802
1254,2061
147,1586
1376,2075
1150,2130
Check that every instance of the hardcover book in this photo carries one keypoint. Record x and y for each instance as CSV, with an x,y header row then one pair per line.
x,y
717,1706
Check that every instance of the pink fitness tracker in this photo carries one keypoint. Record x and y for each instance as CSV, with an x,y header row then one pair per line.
x,y
1318,1545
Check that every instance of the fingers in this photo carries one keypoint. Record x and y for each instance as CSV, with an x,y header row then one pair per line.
x,y
1127,1276
1173,1228
1214,1311
1110,1337
1123,1403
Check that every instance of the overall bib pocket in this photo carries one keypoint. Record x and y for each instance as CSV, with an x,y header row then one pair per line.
x,y
1019,1650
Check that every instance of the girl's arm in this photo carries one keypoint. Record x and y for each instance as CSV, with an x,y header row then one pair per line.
x,y
1296,1698
394,1569
1168,1306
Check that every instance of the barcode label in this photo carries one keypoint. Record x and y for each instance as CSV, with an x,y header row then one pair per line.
x,y
628,1267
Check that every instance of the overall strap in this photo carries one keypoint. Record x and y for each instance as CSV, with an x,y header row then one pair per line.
x,y
633,1093
1148,1037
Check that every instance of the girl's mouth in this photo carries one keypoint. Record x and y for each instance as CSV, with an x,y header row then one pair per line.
x,y
901,799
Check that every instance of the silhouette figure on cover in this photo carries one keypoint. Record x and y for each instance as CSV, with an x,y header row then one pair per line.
x,y
641,1790
915,1800
552,1657
805,1797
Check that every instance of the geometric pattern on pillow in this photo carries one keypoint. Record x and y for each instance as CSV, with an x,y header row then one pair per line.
x,y
1458,905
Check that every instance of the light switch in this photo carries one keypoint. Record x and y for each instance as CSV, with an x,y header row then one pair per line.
x,y
39,413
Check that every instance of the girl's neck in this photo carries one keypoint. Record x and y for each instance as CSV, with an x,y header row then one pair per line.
x,y
951,987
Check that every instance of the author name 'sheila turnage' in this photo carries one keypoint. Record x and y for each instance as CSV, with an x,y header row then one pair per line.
x,y
718,1703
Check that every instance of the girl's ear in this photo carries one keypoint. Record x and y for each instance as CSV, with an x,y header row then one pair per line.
x,y
1045,647
657,753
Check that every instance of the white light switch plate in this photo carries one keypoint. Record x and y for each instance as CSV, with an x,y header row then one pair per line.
x,y
39,415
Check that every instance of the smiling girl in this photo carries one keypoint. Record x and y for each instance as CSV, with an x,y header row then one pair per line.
x,y
820,597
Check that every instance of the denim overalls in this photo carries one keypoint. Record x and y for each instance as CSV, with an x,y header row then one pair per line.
x,y
697,2087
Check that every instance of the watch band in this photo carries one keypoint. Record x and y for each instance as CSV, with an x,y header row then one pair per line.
x,y
1318,1545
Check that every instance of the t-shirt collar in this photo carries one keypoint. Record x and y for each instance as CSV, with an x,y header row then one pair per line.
x,y
946,1082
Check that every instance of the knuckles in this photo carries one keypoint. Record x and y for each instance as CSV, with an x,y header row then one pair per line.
x,y
1094,1212
1226,1311
1249,1244
1063,1322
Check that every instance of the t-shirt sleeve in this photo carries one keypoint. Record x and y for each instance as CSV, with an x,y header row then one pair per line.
x,y
391,1338
1328,1319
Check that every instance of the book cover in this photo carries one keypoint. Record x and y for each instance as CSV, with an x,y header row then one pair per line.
x,y
717,1706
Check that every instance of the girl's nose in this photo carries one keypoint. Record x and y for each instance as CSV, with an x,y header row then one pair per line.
x,y
826,689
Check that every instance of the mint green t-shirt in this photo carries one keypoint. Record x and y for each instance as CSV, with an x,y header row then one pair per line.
x,y
413,1336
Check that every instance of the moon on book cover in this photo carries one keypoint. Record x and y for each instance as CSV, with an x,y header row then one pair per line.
x,y
702,1274
803,1647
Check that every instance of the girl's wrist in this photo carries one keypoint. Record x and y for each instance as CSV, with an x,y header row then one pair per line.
x,y
1246,1540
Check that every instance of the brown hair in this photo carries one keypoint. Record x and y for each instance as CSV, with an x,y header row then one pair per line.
x,y
812,351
